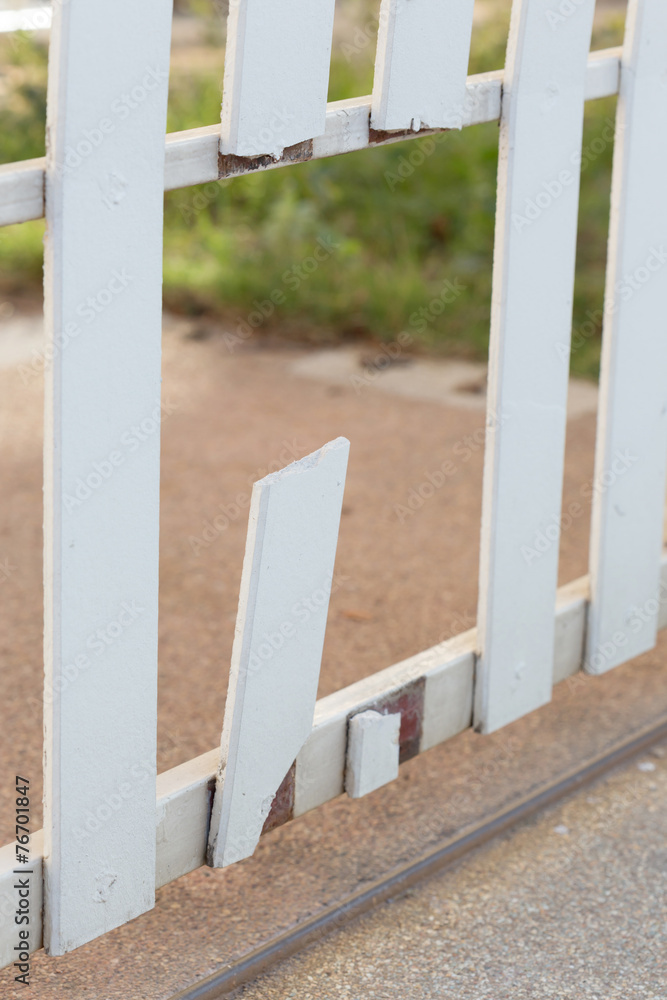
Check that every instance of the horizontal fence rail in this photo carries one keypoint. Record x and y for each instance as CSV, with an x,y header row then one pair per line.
x,y
442,676
193,156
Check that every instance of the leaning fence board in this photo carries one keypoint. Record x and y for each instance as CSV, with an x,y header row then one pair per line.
x,y
184,792
108,74
275,667
536,228
421,64
631,458
276,74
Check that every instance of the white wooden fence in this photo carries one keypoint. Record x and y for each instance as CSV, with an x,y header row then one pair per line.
x,y
100,188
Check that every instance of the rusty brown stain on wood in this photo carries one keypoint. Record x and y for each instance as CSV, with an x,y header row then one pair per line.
x,y
230,165
282,807
409,701
377,136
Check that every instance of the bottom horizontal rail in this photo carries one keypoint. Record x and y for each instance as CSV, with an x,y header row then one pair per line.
x,y
248,967
433,688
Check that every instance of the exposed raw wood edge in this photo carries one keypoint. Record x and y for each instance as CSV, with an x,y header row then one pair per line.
x,y
192,156
184,793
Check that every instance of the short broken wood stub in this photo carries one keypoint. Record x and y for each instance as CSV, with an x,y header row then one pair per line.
x,y
372,752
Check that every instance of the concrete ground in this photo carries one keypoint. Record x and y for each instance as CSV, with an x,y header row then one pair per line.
x,y
572,904
406,581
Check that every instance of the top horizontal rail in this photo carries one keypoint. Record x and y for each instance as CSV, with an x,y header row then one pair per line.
x,y
193,157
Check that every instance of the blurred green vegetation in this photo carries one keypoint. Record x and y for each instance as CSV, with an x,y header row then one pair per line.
x,y
404,218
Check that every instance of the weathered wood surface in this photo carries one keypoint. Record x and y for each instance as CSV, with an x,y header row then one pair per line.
x,y
275,667
531,318
108,75
631,459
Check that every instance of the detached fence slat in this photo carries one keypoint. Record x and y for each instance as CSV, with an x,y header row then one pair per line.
x,y
276,74
536,226
629,482
421,64
108,75
283,604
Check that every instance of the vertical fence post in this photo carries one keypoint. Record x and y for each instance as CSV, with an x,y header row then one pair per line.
x,y
531,319
631,457
108,77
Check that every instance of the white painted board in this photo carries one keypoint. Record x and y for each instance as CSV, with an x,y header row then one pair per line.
x,y
536,226
282,616
276,74
629,481
372,752
421,64
107,100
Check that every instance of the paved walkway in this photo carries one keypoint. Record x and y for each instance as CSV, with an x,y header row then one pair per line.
x,y
572,904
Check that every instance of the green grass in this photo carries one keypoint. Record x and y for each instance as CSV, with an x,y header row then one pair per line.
x,y
399,229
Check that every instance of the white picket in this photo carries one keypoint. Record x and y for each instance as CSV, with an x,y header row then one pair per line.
x,y
421,64
283,604
107,98
276,74
536,223
631,458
